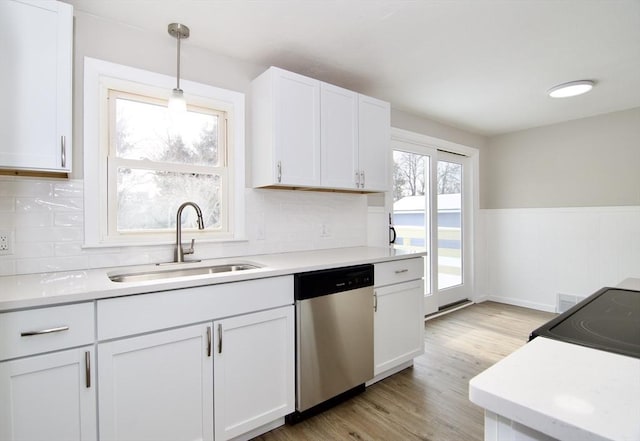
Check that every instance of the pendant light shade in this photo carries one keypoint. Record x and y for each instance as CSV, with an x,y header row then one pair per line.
x,y
177,103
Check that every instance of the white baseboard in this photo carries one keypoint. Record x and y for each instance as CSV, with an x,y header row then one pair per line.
x,y
523,303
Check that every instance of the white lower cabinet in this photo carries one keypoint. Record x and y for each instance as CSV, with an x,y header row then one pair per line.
x,y
202,363
157,386
253,371
398,325
49,397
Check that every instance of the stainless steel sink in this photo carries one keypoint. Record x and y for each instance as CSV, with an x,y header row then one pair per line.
x,y
180,272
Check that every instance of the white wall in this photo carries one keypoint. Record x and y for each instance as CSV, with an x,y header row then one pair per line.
x,y
529,255
588,162
561,210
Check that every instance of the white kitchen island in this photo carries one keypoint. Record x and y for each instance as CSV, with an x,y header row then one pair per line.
x,y
550,389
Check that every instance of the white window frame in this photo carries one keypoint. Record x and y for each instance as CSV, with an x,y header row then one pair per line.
x,y
99,77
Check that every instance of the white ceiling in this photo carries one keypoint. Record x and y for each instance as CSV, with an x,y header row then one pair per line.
x,y
480,65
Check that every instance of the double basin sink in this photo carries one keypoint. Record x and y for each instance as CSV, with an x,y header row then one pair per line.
x,y
180,272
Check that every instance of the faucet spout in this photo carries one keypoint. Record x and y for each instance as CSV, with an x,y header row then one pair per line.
x,y
179,250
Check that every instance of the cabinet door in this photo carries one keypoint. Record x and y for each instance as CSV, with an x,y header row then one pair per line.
x,y
339,137
157,386
297,129
254,371
374,140
35,112
398,325
49,397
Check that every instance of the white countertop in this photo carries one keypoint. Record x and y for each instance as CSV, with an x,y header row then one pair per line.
x,y
32,290
631,283
567,391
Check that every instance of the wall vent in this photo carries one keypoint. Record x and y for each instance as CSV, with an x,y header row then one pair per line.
x,y
566,301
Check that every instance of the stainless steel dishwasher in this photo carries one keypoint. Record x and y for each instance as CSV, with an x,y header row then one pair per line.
x,y
334,336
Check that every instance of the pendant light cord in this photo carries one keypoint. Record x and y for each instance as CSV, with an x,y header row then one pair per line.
x,y
178,64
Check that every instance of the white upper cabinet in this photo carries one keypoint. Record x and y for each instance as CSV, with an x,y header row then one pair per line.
x,y
35,114
308,133
374,140
339,137
286,129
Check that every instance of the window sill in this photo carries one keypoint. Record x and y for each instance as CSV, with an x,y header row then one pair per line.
x,y
159,242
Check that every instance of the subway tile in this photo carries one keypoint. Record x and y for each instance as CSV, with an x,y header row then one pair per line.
x,y
68,249
24,250
34,219
31,266
7,187
48,234
33,188
71,219
69,189
7,266
54,204
7,204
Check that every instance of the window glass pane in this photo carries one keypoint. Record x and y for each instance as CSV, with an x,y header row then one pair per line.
x,y
411,204
149,199
449,224
409,199
148,131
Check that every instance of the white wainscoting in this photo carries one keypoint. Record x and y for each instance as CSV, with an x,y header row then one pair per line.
x,y
526,257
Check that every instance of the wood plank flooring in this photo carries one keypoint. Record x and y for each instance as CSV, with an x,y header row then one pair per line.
x,y
430,400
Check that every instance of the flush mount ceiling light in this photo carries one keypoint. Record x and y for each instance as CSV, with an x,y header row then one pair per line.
x,y
572,88
177,103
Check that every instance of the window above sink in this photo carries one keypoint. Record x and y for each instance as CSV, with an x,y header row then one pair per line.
x,y
142,161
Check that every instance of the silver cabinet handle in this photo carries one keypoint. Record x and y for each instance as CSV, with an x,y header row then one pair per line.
x,y
357,179
87,368
375,301
279,172
44,331
361,178
208,341
63,150
402,271
219,338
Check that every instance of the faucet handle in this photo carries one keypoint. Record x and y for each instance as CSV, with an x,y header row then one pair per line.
x,y
190,250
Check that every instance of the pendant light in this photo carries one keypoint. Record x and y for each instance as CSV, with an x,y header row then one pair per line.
x,y
177,103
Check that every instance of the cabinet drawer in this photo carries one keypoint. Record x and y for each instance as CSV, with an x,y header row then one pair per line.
x,y
397,271
45,329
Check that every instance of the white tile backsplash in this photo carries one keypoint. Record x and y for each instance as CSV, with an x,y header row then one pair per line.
x,y
47,218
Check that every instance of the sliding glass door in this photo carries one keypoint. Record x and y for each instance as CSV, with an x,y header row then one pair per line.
x,y
452,191
430,192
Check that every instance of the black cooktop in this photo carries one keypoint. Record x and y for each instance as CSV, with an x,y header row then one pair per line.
x,y
608,320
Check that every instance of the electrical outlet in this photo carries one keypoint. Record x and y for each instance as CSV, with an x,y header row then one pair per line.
x,y
6,242
325,231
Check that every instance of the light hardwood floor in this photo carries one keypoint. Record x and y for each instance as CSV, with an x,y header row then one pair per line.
x,y
430,400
